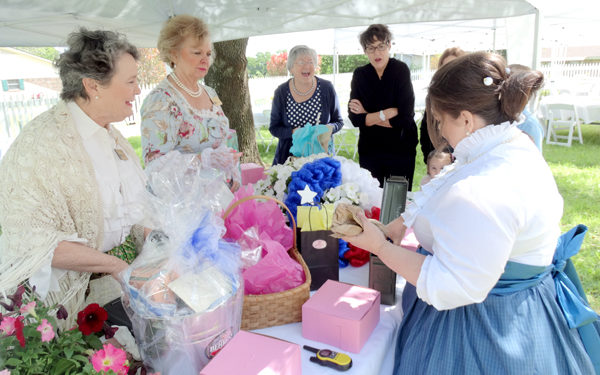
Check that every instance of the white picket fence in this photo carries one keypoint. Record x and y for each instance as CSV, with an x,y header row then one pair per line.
x,y
16,111
557,71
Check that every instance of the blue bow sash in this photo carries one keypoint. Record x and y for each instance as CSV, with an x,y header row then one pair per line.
x,y
569,291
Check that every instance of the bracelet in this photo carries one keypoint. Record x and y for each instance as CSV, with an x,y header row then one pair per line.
x,y
382,115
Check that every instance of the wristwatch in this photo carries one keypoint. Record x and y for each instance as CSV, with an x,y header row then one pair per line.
x,y
381,115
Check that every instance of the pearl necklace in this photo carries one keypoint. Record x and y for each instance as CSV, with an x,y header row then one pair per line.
x,y
297,92
193,94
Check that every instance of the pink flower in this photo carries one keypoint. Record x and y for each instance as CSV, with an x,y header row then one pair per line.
x,y
186,130
8,325
28,309
46,330
110,358
5,372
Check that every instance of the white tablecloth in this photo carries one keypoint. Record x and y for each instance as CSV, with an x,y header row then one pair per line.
x,y
376,357
588,107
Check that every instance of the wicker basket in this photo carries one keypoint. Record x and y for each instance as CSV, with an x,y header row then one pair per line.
x,y
267,310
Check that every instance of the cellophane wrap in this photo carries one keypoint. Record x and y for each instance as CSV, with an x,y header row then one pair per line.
x,y
184,291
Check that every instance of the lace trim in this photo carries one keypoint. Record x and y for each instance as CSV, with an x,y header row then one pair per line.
x,y
467,151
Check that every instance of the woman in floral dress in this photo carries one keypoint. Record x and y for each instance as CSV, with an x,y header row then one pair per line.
x,y
182,115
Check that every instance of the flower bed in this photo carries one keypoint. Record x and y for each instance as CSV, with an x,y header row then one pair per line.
x,y
31,344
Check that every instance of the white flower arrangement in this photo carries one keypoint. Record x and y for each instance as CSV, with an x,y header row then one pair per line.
x,y
347,193
358,186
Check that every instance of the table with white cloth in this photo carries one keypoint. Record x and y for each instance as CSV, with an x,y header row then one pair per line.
x,y
588,107
377,355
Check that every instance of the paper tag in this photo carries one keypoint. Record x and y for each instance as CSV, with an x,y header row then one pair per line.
x,y
215,99
121,154
201,290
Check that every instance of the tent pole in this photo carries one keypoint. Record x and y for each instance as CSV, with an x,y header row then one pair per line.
x,y
335,56
494,41
536,41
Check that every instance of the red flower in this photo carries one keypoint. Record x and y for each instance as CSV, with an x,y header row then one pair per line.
x,y
109,332
62,313
91,319
16,299
19,331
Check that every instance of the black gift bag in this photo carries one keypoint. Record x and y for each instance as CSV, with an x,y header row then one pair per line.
x,y
320,252
381,277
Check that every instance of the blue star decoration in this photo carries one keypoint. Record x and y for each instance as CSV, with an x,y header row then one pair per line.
x,y
307,195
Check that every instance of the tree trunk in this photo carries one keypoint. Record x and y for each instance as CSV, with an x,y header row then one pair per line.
x,y
229,78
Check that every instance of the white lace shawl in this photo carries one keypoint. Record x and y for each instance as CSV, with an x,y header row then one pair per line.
x,y
48,193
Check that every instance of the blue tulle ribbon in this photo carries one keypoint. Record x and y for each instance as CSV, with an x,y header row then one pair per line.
x,y
206,243
342,248
320,175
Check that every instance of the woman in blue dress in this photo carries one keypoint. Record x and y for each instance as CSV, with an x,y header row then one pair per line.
x,y
481,295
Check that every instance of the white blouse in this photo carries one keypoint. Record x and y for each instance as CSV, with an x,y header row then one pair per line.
x,y
122,184
497,202
122,188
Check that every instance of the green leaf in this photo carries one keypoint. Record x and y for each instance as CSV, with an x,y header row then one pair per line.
x,y
63,366
93,341
81,358
13,362
68,352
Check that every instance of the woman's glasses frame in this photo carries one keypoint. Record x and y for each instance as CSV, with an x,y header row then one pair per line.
x,y
304,62
380,47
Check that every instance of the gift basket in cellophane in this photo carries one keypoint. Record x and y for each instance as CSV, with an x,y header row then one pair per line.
x,y
184,292
276,278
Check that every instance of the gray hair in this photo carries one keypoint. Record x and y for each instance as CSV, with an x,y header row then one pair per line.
x,y
298,51
91,54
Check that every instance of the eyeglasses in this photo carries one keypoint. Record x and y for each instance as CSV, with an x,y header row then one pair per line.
x,y
379,47
304,62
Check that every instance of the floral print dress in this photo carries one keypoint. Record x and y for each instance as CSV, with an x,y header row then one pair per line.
x,y
170,123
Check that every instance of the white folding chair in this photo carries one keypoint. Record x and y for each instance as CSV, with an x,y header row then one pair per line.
x,y
418,117
562,117
261,121
272,140
346,139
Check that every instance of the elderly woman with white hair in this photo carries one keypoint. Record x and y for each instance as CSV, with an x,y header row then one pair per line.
x,y
303,99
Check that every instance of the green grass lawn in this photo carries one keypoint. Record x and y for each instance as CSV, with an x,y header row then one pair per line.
x,y
577,173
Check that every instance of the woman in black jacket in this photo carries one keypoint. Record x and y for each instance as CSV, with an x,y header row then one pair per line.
x,y
382,106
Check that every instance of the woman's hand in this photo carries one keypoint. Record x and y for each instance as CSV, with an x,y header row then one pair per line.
x,y
355,106
371,239
119,266
395,230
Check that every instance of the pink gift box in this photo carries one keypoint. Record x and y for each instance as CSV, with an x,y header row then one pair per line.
x,y
251,353
342,315
251,173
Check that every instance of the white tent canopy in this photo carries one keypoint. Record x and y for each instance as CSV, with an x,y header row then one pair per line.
x,y
46,23
506,24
